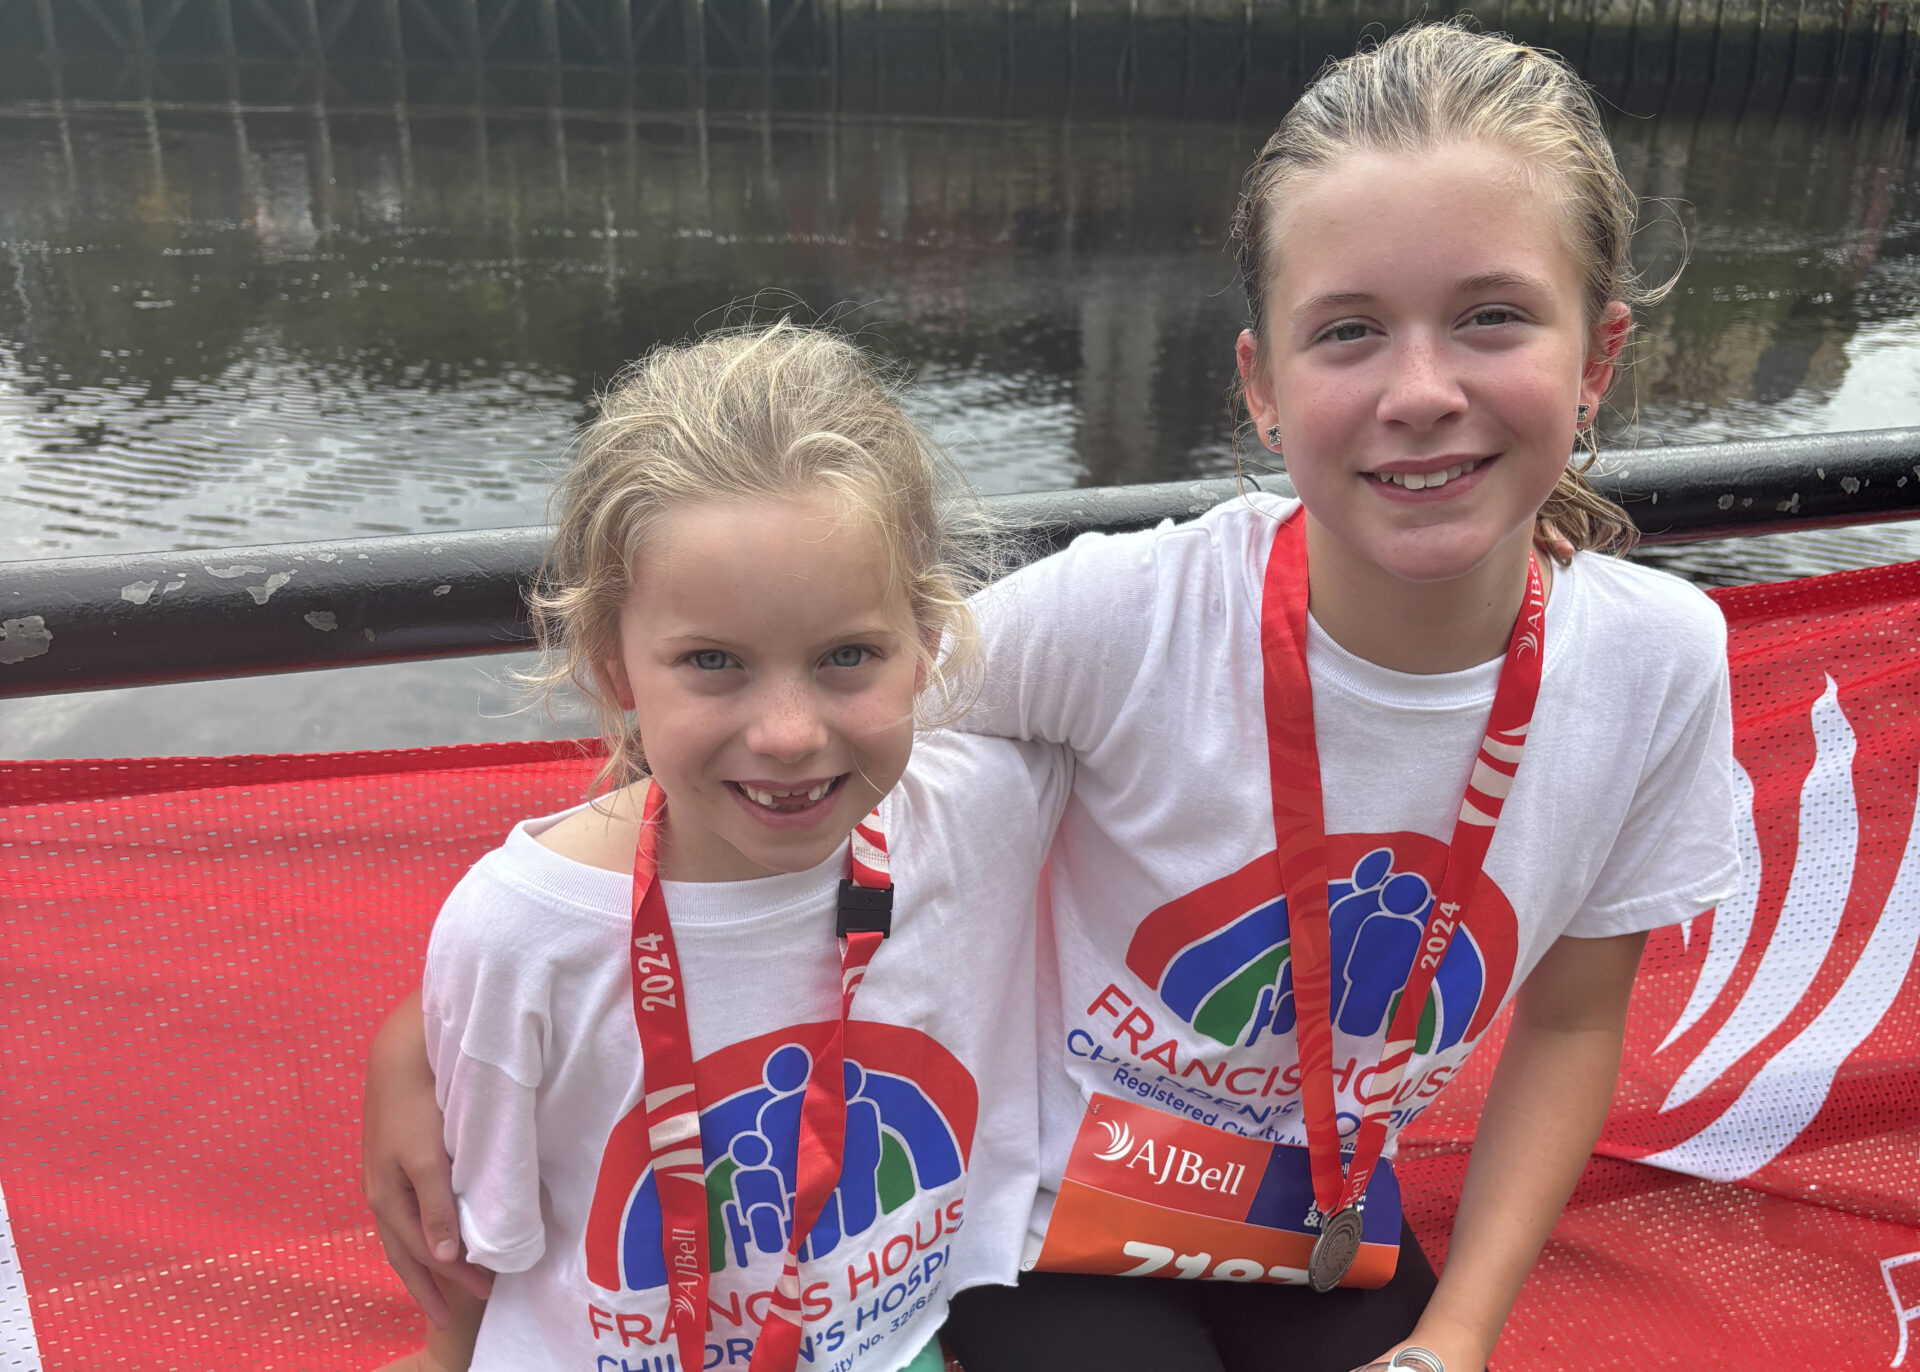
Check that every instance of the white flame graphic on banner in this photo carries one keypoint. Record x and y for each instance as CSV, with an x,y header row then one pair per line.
x,y
1789,1089
1119,1141
1901,1313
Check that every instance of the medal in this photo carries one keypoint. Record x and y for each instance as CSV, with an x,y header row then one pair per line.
x,y
1335,1250
1300,850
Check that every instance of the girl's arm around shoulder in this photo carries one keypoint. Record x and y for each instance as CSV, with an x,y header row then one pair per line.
x,y
486,1000
991,795
477,957
405,1173
1066,638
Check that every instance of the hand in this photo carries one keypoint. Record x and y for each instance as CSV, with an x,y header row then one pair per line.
x,y
1458,1353
405,1173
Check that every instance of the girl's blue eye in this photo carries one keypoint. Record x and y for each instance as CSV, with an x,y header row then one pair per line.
x,y
709,660
849,655
1491,318
1347,333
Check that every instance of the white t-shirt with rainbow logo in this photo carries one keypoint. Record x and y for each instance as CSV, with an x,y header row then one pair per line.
x,y
1142,653
530,1030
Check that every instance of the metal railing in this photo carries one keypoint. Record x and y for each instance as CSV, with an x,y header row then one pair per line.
x,y
78,624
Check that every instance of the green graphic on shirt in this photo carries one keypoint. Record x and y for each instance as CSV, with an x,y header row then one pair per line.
x,y
1224,1015
1429,1021
894,1181
719,1192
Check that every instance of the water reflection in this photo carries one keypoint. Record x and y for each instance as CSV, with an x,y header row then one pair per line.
x,y
222,326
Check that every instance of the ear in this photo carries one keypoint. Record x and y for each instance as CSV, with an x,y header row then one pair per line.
x,y
1609,337
613,672
1255,383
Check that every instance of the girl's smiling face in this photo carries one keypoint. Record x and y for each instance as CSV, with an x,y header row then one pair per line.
x,y
771,671
1426,349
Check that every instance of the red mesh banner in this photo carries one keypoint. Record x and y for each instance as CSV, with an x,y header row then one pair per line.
x,y
197,950
1755,1197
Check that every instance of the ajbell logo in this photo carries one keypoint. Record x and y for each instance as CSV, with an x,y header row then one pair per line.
x,y
1164,1162
1119,1141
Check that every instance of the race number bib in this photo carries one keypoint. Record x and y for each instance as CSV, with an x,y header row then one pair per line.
x,y
1148,1194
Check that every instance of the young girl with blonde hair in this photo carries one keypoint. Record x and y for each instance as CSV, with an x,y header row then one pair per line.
x,y
737,1069
1355,770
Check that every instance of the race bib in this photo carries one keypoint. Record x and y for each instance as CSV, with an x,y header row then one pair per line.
x,y
1148,1194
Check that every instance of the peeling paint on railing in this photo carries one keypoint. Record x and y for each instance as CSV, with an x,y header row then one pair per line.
x,y
23,638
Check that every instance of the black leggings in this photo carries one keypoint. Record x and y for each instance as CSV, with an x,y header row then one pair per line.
x,y
1060,1320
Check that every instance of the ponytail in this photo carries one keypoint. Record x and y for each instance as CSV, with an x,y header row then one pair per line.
x,y
1578,515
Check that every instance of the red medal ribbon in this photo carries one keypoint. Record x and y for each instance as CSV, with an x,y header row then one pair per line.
x,y
1300,849
672,1103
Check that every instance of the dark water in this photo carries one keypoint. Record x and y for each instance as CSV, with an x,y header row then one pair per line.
x,y
221,327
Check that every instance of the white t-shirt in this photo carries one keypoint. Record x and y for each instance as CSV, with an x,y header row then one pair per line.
x,y
1142,653
530,1029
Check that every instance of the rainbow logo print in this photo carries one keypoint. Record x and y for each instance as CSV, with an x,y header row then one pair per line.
x,y
911,1109
1219,957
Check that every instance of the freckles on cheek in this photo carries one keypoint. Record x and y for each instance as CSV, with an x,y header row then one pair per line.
x,y
876,728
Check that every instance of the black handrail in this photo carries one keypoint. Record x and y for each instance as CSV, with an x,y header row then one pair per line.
x,y
78,624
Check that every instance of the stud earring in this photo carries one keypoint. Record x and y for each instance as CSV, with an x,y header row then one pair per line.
x,y
1581,418
1273,437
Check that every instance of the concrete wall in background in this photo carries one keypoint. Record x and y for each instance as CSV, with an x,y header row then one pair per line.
x,y
1003,57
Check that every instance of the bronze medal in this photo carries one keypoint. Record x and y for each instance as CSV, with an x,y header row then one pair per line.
x,y
1335,1249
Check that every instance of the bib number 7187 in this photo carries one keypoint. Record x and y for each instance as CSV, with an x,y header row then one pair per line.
x,y
1155,1258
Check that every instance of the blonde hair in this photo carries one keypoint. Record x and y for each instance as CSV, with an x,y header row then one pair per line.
x,y
760,413
1441,83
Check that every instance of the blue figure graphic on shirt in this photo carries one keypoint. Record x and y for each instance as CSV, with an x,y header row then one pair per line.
x,y
1374,923
758,1210
778,1119
757,1132
1237,983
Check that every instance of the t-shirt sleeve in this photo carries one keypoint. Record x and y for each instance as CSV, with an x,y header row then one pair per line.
x,y
1051,770
1064,639
1677,853
485,1025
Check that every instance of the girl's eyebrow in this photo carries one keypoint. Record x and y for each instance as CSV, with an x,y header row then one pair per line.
x,y
1330,301
852,634
1502,280
1471,285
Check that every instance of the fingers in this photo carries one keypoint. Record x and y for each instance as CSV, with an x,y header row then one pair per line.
x,y
420,1229
399,1219
405,1173
475,1281
432,1181
416,1277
